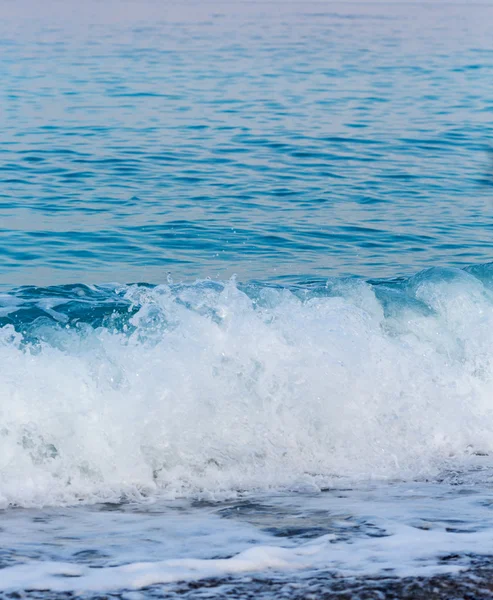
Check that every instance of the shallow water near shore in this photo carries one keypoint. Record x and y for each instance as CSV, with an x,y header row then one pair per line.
x,y
246,300
297,541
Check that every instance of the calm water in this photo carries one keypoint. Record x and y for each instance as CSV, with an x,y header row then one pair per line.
x,y
274,141
327,412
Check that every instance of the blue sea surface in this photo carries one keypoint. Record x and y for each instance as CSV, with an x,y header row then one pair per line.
x,y
246,299
277,141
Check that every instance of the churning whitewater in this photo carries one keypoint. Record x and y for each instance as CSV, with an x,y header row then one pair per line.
x,y
209,389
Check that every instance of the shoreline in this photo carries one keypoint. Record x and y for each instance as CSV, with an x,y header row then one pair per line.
x,y
475,583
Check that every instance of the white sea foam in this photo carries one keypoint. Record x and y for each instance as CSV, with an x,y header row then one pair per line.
x,y
393,531
211,390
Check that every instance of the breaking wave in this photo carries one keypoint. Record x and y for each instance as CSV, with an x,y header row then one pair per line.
x,y
209,389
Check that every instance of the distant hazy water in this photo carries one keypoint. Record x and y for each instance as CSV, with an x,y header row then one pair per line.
x,y
271,140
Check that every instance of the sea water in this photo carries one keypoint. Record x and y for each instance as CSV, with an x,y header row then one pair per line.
x,y
246,302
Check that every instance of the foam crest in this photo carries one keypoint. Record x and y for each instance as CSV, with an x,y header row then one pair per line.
x,y
214,388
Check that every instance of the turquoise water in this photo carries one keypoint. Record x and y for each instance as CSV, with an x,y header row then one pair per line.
x,y
246,296
276,141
